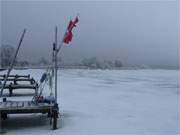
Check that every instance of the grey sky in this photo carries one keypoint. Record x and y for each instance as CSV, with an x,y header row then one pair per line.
x,y
135,32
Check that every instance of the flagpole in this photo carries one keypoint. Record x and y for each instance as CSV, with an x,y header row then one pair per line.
x,y
57,49
55,63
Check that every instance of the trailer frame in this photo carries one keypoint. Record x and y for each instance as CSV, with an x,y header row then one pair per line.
x,y
25,107
14,83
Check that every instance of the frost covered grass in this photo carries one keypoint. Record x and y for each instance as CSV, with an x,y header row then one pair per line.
x,y
107,102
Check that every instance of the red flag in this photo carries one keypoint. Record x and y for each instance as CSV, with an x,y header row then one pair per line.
x,y
68,35
71,25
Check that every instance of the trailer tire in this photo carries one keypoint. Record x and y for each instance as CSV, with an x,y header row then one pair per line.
x,y
4,116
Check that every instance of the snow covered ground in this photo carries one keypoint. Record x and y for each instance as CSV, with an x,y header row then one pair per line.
x,y
126,102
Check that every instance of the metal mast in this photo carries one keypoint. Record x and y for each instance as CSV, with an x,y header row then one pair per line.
x,y
55,62
13,61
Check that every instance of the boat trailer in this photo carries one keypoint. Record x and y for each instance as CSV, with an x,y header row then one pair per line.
x,y
24,107
38,104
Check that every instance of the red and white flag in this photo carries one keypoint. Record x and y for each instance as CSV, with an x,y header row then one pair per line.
x,y
68,35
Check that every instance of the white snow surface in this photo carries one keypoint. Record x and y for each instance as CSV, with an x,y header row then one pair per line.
x,y
112,102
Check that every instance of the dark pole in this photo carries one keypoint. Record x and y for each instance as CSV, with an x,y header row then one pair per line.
x,y
55,62
13,61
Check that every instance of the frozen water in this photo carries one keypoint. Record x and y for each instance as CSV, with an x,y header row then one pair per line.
x,y
107,102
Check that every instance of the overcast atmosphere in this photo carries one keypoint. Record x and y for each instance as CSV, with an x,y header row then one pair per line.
x,y
134,32
115,69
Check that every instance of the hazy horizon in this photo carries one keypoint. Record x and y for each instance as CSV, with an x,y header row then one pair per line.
x,y
135,32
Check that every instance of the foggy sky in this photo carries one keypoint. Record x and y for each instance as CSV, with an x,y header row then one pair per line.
x,y
134,32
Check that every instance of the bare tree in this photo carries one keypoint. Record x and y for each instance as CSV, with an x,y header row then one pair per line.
x,y
7,53
118,63
43,61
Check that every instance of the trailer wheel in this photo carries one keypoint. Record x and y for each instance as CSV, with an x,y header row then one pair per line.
x,y
4,116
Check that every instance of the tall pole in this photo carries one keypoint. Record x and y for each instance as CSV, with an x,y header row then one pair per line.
x,y
55,63
13,61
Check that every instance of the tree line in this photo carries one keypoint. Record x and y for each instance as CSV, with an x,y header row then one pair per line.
x,y
7,53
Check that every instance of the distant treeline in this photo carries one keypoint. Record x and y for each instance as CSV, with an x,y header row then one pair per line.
x,y
7,53
86,63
